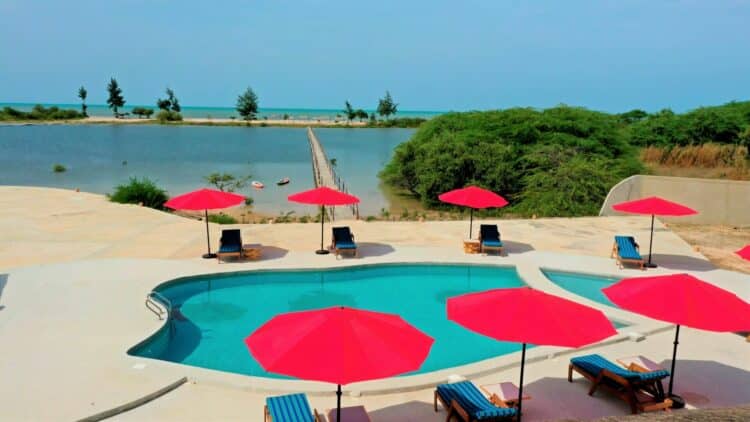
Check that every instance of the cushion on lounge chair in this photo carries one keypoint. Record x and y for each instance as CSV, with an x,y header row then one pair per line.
x,y
472,401
289,408
343,239
595,363
489,232
230,248
497,243
626,248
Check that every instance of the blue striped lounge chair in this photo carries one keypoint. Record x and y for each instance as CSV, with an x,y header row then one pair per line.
x,y
463,399
626,251
643,391
230,244
343,241
489,239
289,408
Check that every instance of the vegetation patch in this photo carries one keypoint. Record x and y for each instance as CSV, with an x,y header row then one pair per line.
x,y
221,219
59,168
556,162
39,112
140,191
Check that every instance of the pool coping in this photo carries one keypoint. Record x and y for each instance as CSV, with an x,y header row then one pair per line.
x,y
530,273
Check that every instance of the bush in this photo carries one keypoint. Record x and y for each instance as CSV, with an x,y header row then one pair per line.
x,y
249,201
221,219
401,122
39,112
527,155
59,168
140,191
143,112
165,116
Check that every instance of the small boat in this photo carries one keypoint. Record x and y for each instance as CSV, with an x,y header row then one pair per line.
x,y
284,181
257,185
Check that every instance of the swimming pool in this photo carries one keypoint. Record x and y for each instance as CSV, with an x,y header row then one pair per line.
x,y
217,312
588,286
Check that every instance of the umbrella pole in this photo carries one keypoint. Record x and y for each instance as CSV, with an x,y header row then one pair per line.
x,y
338,403
520,382
322,251
650,244
208,255
471,221
677,401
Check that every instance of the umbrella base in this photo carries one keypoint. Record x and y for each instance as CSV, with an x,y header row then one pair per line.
x,y
322,252
209,255
650,265
677,401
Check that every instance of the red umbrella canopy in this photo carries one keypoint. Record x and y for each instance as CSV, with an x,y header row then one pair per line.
x,y
204,199
525,315
474,197
744,253
682,299
323,196
654,205
339,345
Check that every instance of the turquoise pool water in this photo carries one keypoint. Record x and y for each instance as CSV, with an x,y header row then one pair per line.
x,y
219,311
588,286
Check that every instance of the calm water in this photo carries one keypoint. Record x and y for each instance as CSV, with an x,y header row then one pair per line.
x,y
220,311
227,112
588,286
98,157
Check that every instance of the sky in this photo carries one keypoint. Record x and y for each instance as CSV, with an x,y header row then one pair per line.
x,y
431,55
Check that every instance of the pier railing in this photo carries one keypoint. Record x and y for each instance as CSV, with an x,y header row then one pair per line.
x,y
324,173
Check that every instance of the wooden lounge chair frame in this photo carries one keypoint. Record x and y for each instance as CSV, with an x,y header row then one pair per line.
x,y
338,251
641,396
454,408
267,415
641,263
483,249
221,255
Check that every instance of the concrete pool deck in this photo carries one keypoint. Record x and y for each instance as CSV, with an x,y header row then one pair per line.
x,y
75,269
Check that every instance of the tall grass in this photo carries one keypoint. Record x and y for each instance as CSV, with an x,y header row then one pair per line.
x,y
708,155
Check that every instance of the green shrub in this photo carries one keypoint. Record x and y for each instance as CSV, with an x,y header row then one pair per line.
x,y
140,191
143,112
370,218
249,201
59,168
166,116
519,153
39,112
221,219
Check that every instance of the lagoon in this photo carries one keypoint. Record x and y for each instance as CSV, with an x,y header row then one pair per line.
x,y
98,157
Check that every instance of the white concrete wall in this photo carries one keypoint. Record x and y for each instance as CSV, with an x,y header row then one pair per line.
x,y
717,201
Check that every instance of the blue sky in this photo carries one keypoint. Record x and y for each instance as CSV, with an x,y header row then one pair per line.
x,y
431,55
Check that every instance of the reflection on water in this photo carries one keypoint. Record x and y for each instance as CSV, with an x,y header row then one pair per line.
x,y
98,157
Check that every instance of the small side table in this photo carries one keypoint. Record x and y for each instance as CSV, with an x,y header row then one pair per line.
x,y
471,246
251,251
639,364
506,392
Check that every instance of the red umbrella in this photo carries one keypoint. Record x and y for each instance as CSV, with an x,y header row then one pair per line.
x,y
339,345
475,198
524,315
323,196
653,205
681,299
744,253
205,199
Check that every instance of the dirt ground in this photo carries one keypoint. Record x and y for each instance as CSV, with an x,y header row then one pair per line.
x,y
717,243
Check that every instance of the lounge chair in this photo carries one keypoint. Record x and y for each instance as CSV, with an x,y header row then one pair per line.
x,y
230,244
626,251
464,400
343,241
643,391
289,408
489,239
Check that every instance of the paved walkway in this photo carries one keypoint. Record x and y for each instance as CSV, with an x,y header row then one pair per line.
x,y
75,270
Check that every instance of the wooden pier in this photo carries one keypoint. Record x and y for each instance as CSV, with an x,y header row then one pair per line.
x,y
324,173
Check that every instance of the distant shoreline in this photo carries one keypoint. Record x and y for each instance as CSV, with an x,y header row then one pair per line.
x,y
193,121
